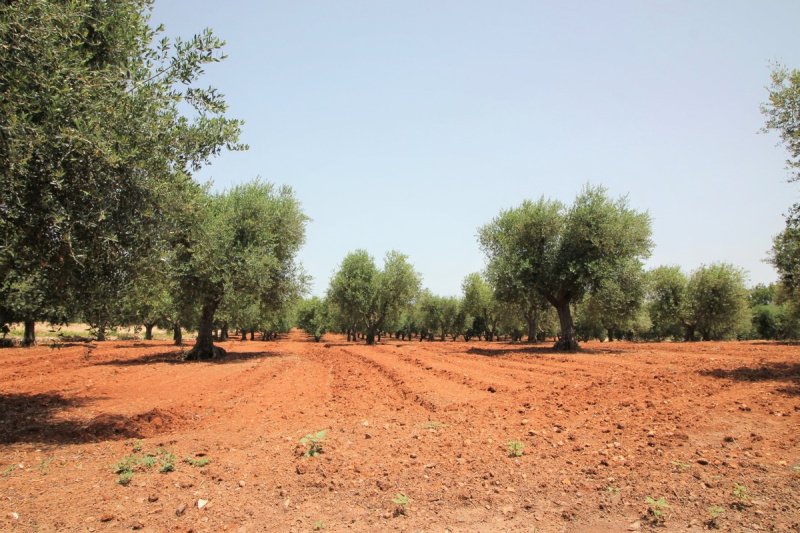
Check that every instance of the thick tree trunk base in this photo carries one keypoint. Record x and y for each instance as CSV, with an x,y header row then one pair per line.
x,y
204,353
564,345
29,338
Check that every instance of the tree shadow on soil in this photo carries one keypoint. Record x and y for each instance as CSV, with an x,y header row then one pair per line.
x,y
775,343
541,349
765,372
34,418
176,358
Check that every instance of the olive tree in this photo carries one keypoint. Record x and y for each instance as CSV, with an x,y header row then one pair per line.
x,y
243,245
312,316
666,302
480,304
614,305
562,253
93,137
369,297
717,302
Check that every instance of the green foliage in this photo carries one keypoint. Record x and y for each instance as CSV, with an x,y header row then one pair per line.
x,y
197,462
786,255
563,253
762,294
515,448
241,252
367,297
667,301
681,466
740,492
125,477
319,525
129,464
479,303
782,112
656,509
441,315
717,302
612,308
715,512
401,502
94,149
166,459
314,442
312,316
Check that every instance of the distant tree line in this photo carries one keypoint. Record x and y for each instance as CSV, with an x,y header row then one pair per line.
x,y
553,268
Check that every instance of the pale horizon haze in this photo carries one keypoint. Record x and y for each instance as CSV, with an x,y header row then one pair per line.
x,y
408,125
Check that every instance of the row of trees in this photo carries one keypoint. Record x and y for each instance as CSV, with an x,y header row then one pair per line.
x,y
664,303
102,125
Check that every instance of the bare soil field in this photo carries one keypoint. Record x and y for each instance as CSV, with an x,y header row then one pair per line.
x,y
712,428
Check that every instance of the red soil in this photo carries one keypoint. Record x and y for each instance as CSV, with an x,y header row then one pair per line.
x,y
602,430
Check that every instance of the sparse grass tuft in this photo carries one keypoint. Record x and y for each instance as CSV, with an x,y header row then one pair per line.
x,y
515,448
656,510
199,463
314,442
714,512
401,502
681,466
137,461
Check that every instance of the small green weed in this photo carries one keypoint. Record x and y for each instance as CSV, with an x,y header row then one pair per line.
x,y
613,491
515,448
137,461
656,509
714,512
7,470
44,465
199,463
125,477
432,425
319,525
401,502
681,466
796,468
314,442
137,445
742,496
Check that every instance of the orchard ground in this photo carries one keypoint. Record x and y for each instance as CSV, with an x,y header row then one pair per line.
x,y
712,428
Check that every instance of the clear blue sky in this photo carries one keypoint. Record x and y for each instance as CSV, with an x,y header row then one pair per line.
x,y
407,125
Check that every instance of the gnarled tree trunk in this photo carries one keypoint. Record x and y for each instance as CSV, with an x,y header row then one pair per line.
x,y
204,345
567,341
532,327
177,334
148,332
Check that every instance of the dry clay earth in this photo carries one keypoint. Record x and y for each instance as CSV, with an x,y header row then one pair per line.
x,y
700,425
